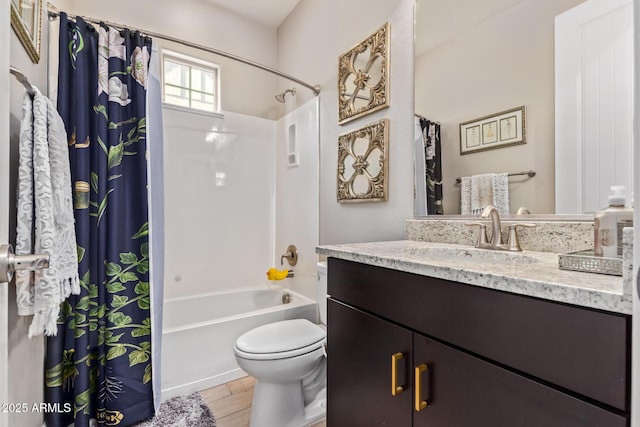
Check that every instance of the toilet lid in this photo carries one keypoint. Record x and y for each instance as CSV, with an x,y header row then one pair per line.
x,y
279,337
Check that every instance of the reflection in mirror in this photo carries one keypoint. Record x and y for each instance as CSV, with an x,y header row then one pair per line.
x,y
594,46
363,77
473,58
362,164
427,167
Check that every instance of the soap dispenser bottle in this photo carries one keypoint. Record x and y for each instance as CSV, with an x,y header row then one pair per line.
x,y
608,224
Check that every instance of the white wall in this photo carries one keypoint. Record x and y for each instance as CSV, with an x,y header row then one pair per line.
x,y
309,43
502,62
218,234
297,195
245,90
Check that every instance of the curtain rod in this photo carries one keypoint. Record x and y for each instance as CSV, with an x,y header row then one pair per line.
x,y
54,14
22,78
420,116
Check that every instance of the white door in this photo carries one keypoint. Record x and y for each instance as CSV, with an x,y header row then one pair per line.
x,y
594,104
4,194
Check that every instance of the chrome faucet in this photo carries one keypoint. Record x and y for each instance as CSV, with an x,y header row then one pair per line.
x,y
496,242
496,235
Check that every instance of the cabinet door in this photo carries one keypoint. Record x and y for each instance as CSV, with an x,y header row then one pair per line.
x,y
462,390
359,370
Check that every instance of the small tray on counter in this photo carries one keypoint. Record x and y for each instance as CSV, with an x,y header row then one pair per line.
x,y
587,262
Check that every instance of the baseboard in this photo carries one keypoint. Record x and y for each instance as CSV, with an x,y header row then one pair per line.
x,y
202,384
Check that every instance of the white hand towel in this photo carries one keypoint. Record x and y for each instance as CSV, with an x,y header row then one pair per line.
x,y
501,193
44,176
479,191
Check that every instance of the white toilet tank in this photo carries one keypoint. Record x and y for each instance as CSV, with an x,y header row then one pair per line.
x,y
322,291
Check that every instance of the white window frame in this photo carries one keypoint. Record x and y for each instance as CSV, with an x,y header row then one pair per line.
x,y
191,61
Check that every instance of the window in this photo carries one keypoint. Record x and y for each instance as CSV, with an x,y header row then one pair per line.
x,y
191,83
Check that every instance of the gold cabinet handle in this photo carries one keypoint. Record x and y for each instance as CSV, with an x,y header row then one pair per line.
x,y
395,388
419,403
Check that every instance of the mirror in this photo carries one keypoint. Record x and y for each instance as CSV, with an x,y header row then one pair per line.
x,y
362,164
363,77
476,58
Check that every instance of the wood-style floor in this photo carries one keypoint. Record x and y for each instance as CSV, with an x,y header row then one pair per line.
x,y
230,403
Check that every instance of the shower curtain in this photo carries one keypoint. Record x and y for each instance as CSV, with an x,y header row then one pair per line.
x,y
428,197
101,361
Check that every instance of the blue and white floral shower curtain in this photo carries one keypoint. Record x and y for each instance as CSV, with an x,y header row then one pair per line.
x,y
101,359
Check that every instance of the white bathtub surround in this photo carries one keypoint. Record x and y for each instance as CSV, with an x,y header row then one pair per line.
x,y
297,191
547,236
306,285
200,332
220,199
537,275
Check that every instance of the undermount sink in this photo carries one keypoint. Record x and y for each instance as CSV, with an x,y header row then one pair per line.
x,y
449,253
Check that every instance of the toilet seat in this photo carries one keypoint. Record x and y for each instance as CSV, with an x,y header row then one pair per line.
x,y
280,340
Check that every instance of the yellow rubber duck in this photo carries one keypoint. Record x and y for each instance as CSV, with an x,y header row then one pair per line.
x,y
275,274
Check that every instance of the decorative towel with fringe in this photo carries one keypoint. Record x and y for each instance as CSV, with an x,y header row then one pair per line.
x,y
44,176
479,191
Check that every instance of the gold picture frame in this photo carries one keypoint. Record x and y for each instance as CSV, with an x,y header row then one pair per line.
x,y
499,130
26,21
363,77
363,163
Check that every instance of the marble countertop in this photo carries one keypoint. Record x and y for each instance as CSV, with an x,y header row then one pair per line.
x,y
529,273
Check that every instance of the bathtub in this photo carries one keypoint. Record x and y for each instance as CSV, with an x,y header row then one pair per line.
x,y
199,332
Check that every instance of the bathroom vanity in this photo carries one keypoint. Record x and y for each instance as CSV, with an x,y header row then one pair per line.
x,y
427,334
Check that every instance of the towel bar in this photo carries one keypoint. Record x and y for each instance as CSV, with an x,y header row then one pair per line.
x,y
530,173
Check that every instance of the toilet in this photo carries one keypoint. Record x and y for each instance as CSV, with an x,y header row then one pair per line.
x,y
288,361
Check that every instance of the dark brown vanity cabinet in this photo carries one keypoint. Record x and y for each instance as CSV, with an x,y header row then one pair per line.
x,y
408,350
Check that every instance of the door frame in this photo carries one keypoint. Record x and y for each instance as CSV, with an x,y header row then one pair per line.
x,y
5,34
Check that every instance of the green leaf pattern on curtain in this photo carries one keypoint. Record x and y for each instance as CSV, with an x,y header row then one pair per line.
x,y
89,315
